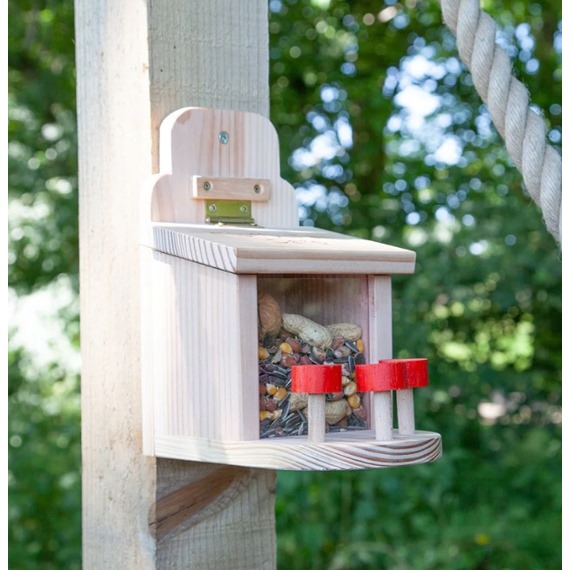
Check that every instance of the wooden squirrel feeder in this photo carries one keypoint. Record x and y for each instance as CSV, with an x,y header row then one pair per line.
x,y
246,314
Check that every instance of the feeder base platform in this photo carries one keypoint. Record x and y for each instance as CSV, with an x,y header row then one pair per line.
x,y
340,451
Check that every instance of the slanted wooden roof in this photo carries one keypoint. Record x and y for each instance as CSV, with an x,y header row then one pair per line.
x,y
292,250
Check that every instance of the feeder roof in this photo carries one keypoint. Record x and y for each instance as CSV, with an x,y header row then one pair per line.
x,y
279,250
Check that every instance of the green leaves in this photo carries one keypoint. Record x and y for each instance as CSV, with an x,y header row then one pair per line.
x,y
44,430
42,153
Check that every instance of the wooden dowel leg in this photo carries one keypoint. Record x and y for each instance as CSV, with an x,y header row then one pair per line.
x,y
382,402
316,418
405,403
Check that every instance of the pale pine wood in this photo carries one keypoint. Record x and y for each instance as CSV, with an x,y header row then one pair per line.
x,y
280,250
405,405
340,450
217,492
205,284
204,350
188,504
189,146
216,188
207,311
380,299
316,419
382,413
137,62
118,483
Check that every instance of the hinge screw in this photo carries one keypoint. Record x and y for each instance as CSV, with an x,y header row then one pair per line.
x,y
207,186
257,188
224,137
243,209
212,207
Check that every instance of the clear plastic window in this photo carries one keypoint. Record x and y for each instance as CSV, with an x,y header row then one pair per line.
x,y
310,320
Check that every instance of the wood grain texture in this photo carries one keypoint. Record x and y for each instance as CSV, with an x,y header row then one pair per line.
x,y
217,188
405,406
280,250
187,505
210,54
382,413
226,532
340,451
118,483
203,343
205,389
190,146
136,63
215,54
380,343
316,419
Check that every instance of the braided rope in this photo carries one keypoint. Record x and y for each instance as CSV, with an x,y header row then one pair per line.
x,y
522,129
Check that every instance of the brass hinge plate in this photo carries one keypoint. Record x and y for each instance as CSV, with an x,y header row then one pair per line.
x,y
229,212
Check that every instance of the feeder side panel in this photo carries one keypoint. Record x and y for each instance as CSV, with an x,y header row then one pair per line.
x,y
201,358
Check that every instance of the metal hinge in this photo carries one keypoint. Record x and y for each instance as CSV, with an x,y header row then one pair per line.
x,y
228,200
229,212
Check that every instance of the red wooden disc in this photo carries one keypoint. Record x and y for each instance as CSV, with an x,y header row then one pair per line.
x,y
317,379
392,374
416,372
380,377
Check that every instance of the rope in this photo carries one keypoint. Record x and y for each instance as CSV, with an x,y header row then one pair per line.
x,y
522,129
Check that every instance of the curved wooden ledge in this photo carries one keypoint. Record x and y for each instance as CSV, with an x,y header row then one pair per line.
x,y
340,451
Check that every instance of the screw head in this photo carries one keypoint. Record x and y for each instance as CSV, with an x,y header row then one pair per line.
x,y
212,207
207,186
243,209
224,137
257,188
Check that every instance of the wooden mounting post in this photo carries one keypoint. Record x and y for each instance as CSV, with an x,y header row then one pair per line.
x,y
136,63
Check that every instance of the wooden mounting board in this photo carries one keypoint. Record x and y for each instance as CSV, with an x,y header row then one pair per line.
x,y
280,250
340,451
191,149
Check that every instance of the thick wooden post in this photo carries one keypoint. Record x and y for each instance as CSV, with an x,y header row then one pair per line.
x,y
137,62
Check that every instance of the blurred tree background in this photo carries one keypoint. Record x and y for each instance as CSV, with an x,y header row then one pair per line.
x,y
384,138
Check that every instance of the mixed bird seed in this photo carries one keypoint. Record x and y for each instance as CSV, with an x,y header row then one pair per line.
x,y
284,413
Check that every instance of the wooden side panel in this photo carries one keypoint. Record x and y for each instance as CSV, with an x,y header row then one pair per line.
x,y
204,333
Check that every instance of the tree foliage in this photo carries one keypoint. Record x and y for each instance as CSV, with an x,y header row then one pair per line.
x,y
43,393
384,137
